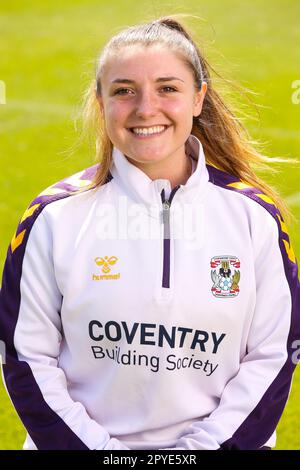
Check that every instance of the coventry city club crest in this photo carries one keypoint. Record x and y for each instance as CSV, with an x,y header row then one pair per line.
x,y
225,275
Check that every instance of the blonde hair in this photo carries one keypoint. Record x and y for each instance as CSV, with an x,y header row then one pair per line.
x,y
225,141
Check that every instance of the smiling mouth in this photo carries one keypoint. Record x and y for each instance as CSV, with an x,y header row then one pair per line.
x,y
148,131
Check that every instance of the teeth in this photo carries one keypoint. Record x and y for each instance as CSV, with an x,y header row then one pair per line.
x,y
148,130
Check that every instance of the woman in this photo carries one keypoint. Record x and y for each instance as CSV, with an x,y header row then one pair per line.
x,y
152,301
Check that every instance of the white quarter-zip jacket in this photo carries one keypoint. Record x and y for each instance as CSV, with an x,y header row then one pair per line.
x,y
136,316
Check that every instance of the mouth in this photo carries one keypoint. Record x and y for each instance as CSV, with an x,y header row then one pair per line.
x,y
148,132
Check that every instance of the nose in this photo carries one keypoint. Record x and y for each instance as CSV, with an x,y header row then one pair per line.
x,y
146,104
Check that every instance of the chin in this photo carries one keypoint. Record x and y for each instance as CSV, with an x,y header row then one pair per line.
x,y
145,159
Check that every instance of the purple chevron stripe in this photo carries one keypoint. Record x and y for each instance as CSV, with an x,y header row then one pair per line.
x,y
222,179
66,186
90,172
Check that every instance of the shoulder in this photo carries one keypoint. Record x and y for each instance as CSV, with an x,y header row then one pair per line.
x,y
69,187
236,186
266,216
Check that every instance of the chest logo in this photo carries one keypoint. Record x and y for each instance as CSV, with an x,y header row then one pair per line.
x,y
225,275
105,263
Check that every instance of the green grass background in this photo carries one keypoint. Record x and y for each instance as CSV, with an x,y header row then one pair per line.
x,y
47,52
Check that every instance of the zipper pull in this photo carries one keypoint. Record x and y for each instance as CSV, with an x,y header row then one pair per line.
x,y
166,205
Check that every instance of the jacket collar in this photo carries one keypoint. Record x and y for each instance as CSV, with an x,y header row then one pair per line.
x,y
137,185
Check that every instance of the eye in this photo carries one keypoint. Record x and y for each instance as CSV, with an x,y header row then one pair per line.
x,y
169,89
121,91
127,91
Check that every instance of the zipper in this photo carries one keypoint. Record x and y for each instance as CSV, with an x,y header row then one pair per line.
x,y
166,204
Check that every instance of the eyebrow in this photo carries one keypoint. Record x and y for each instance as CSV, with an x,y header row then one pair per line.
x,y
160,79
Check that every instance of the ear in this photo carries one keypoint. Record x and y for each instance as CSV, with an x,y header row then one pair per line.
x,y
198,100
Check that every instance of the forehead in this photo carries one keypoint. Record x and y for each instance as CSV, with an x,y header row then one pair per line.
x,y
138,62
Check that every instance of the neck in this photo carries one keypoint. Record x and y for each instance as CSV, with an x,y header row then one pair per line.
x,y
177,174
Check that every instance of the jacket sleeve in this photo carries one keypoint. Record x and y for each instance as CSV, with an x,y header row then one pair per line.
x,y
31,329
254,399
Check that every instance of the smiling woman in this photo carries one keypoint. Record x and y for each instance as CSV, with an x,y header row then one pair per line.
x,y
90,314
151,118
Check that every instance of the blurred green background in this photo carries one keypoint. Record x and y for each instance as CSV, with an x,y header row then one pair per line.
x,y
47,54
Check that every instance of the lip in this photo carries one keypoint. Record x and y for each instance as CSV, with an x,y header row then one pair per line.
x,y
148,127
141,136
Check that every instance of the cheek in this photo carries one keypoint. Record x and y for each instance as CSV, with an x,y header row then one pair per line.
x,y
115,114
180,108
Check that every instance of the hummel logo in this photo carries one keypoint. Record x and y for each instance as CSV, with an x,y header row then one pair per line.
x,y
105,262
